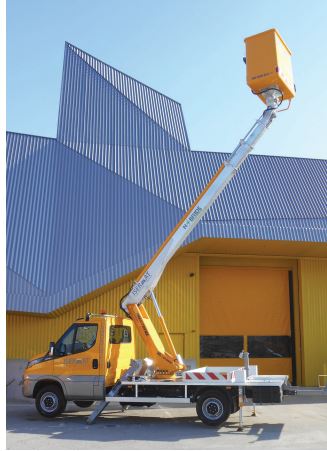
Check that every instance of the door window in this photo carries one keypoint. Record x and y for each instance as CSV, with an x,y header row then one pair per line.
x,y
78,338
85,338
120,334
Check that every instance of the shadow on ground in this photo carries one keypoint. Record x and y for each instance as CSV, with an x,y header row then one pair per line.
x,y
140,424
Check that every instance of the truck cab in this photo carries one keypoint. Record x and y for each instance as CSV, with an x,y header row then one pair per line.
x,y
82,365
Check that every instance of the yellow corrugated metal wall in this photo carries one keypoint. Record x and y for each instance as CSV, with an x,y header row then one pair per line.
x,y
313,295
177,294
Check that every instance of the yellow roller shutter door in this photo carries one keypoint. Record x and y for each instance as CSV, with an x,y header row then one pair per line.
x,y
247,308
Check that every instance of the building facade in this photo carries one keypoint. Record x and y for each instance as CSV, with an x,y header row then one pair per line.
x,y
88,209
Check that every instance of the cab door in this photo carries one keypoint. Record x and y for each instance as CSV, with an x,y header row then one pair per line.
x,y
120,349
76,361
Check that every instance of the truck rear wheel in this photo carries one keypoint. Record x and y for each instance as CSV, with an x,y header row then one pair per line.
x,y
213,408
50,401
83,404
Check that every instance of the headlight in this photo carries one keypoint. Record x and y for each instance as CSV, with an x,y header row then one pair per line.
x,y
34,362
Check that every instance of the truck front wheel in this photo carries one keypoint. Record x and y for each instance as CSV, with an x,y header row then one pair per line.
x,y
213,408
50,401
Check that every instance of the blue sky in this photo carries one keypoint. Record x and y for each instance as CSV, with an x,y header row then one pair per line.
x,y
189,50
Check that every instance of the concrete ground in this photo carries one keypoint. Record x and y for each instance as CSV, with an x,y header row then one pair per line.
x,y
298,423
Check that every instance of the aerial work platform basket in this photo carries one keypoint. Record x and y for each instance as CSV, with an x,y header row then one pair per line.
x,y
268,64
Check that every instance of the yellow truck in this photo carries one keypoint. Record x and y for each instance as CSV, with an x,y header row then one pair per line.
x,y
94,360
90,356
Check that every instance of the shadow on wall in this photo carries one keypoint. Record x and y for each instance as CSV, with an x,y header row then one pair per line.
x,y
14,374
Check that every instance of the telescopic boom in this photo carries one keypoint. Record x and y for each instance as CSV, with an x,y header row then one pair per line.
x,y
166,364
148,279
272,84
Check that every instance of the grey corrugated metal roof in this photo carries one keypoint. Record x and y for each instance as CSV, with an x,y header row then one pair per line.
x,y
81,208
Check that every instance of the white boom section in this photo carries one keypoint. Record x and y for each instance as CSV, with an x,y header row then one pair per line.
x,y
149,278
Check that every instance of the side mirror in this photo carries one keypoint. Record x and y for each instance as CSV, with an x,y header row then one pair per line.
x,y
51,348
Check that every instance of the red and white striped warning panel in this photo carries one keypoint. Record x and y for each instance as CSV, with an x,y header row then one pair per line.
x,y
209,374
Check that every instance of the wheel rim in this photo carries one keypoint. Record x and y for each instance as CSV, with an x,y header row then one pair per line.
x,y
49,402
212,408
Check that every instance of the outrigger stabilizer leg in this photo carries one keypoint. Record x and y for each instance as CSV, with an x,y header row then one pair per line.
x,y
101,405
240,412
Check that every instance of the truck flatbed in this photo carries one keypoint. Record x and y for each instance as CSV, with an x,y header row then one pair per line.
x,y
217,391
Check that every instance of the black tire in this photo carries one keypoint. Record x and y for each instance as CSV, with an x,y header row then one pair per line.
x,y
84,404
213,407
50,401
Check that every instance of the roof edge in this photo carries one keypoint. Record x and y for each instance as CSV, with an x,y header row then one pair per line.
x,y
68,44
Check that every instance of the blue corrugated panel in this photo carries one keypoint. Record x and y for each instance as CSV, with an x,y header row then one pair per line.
x,y
20,286
81,209
100,106
161,109
30,191
73,225
265,187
